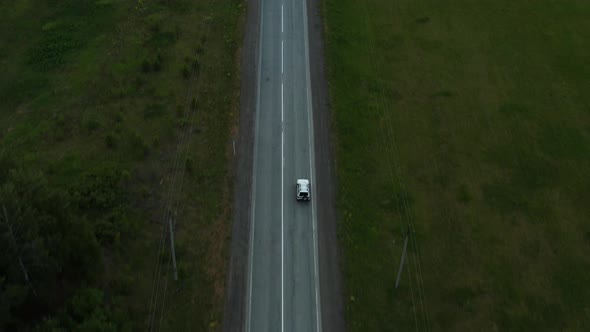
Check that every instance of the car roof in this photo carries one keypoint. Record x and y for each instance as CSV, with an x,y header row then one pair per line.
x,y
303,185
303,182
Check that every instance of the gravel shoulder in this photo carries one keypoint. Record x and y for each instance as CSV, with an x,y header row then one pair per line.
x,y
236,281
329,256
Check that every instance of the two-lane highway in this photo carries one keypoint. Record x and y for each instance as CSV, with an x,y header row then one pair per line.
x,y
283,284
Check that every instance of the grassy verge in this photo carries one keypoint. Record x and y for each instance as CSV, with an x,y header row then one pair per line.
x,y
93,99
467,123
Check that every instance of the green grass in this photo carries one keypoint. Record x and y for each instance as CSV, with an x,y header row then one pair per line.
x,y
93,94
470,121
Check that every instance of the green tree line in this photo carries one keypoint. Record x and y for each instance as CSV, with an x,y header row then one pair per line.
x,y
51,250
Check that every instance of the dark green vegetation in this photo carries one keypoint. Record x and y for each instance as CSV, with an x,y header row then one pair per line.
x,y
470,122
93,97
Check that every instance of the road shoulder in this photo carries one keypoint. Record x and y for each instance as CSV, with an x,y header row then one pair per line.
x,y
329,256
236,281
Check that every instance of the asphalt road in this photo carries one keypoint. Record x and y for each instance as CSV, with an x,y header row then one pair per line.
x,y
283,289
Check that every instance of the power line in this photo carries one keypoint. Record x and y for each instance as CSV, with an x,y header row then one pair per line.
x,y
16,249
170,217
409,217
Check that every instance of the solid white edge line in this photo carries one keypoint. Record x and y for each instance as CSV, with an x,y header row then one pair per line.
x,y
253,190
312,172
282,216
282,183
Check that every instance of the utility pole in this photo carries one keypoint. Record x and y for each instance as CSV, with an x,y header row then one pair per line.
x,y
20,261
172,251
401,263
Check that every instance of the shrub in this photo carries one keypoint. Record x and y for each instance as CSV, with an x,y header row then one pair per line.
x,y
196,65
186,73
63,125
110,141
157,65
99,189
91,124
463,194
50,52
156,141
189,164
85,311
153,110
118,116
137,146
145,66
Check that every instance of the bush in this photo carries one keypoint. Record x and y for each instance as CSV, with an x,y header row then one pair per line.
x,y
99,189
186,73
157,65
156,141
118,116
50,52
463,194
138,148
145,66
91,125
163,39
189,164
196,65
116,225
85,311
63,126
153,110
110,141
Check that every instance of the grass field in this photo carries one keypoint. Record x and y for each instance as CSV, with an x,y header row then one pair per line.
x,y
468,123
93,95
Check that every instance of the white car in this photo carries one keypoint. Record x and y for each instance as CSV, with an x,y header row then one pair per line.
x,y
303,190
